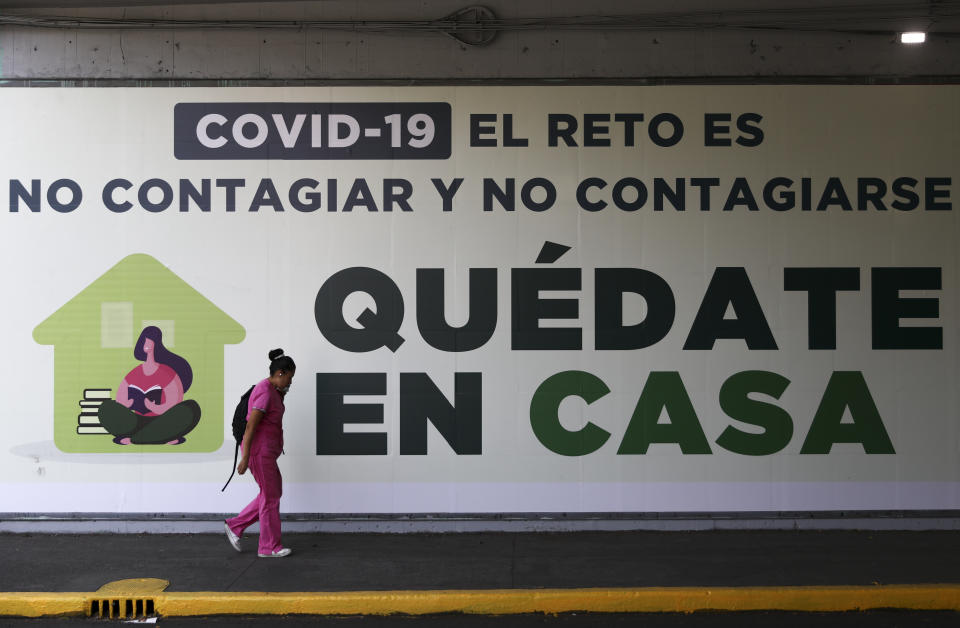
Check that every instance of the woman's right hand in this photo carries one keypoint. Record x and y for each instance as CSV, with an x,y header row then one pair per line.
x,y
242,466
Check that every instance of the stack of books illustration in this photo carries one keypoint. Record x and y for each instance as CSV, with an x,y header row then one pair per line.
x,y
89,407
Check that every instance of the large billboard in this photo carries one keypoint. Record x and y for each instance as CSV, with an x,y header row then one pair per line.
x,y
499,299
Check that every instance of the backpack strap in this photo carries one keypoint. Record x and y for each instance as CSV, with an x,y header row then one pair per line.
x,y
239,414
235,451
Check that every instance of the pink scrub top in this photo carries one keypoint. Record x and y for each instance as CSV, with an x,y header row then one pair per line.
x,y
268,439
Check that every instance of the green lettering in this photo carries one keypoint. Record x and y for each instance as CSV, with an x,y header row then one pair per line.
x,y
775,421
664,391
847,389
544,413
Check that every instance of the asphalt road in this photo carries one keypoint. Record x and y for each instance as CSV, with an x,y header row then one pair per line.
x,y
344,562
370,562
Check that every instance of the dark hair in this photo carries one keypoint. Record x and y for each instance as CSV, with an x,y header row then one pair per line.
x,y
163,356
280,362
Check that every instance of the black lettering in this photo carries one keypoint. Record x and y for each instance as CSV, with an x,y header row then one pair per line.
x,y
313,198
712,129
360,196
653,129
397,191
230,187
932,194
506,197
610,286
166,195
481,317
583,201
676,195
377,329
526,194
705,185
740,194
201,198
630,121
594,131
907,198
447,193
557,132
76,195
19,193
889,307
834,194
618,194
871,191
460,423
730,287
480,130
784,201
333,413
821,285
528,309
752,133
508,137
107,196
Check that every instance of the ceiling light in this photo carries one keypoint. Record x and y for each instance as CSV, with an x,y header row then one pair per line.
x,y
913,38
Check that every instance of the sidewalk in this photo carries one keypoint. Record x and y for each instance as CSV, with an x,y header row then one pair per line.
x,y
709,566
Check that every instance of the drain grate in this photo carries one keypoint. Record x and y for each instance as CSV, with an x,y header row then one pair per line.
x,y
121,608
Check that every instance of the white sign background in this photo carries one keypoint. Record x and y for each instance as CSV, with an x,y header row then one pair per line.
x,y
264,269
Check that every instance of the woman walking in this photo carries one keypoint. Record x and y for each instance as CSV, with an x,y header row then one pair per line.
x,y
261,446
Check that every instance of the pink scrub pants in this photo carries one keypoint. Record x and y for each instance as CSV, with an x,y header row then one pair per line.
x,y
265,507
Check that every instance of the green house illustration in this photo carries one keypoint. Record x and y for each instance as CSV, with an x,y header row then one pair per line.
x,y
136,305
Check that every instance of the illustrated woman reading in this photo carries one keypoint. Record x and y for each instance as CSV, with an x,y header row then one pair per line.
x,y
150,408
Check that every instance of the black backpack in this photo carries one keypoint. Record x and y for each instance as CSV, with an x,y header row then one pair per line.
x,y
239,427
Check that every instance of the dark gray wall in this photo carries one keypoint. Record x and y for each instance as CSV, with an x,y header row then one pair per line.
x,y
701,40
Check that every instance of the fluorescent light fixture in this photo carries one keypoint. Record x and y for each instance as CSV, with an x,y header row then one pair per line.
x,y
913,38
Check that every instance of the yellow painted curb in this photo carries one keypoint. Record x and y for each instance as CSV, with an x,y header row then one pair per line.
x,y
133,587
42,604
510,601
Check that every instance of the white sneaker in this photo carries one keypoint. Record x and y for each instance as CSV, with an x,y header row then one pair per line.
x,y
233,538
280,553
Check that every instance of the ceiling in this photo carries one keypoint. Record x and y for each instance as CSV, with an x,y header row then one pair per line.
x,y
849,16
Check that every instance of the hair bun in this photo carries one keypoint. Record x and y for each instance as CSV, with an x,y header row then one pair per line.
x,y
276,353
